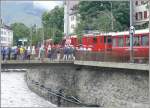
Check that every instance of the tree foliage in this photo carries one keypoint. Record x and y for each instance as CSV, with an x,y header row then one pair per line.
x,y
96,15
53,23
19,31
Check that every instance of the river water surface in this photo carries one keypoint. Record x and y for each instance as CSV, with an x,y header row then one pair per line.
x,y
15,93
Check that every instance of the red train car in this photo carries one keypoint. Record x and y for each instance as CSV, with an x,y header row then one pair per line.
x,y
117,43
99,42
121,44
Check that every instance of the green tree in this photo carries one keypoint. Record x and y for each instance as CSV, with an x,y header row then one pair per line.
x,y
53,23
20,31
96,15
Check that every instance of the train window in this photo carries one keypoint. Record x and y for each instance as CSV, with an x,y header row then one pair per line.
x,y
136,41
114,42
109,39
127,41
95,40
120,42
104,39
145,41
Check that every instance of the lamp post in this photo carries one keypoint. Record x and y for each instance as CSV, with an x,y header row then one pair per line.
x,y
131,31
0,45
31,34
43,32
112,23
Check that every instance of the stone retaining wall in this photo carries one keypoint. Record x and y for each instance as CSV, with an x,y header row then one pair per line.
x,y
107,87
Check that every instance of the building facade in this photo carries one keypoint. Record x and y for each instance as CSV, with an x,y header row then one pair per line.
x,y
141,12
6,36
70,16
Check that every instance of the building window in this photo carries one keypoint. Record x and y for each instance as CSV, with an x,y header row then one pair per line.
x,y
136,3
136,16
72,26
145,14
72,18
140,16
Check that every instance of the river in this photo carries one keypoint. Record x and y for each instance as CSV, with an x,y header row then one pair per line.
x,y
15,92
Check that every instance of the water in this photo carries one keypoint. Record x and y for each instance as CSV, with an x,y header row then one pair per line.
x,y
15,93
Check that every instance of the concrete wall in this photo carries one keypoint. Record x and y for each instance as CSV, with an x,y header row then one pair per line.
x,y
111,88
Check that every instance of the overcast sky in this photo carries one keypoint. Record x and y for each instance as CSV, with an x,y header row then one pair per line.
x,y
47,4
27,12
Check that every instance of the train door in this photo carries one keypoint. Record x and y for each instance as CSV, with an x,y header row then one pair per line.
x,y
108,43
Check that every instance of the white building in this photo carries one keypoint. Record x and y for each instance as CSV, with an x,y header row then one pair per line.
x,y
6,36
141,12
70,10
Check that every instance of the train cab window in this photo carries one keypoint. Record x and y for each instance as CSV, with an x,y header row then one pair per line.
x,y
120,42
136,41
114,42
145,40
95,40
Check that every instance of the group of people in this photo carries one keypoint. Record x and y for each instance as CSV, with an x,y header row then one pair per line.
x,y
17,52
27,53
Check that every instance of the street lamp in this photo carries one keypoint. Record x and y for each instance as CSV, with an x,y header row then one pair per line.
x,y
131,31
43,23
31,33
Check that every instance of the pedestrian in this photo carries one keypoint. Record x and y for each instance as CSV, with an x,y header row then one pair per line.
x,y
33,52
65,53
9,53
58,54
28,52
3,53
15,53
42,52
21,53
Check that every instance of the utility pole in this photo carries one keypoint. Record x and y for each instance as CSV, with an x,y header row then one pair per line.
x,y
30,38
131,34
0,45
112,20
43,34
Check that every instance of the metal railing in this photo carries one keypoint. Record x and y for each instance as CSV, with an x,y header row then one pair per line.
x,y
103,56
60,95
108,56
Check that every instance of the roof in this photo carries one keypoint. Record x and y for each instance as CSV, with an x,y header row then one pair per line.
x,y
6,27
118,33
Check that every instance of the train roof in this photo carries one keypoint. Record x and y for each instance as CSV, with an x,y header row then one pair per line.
x,y
127,32
118,33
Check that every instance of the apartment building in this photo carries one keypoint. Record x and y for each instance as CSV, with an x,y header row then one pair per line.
x,y
140,12
6,36
71,11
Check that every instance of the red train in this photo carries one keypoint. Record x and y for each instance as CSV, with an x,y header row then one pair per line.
x,y
116,42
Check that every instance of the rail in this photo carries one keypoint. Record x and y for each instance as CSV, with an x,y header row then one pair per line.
x,y
59,95
103,56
